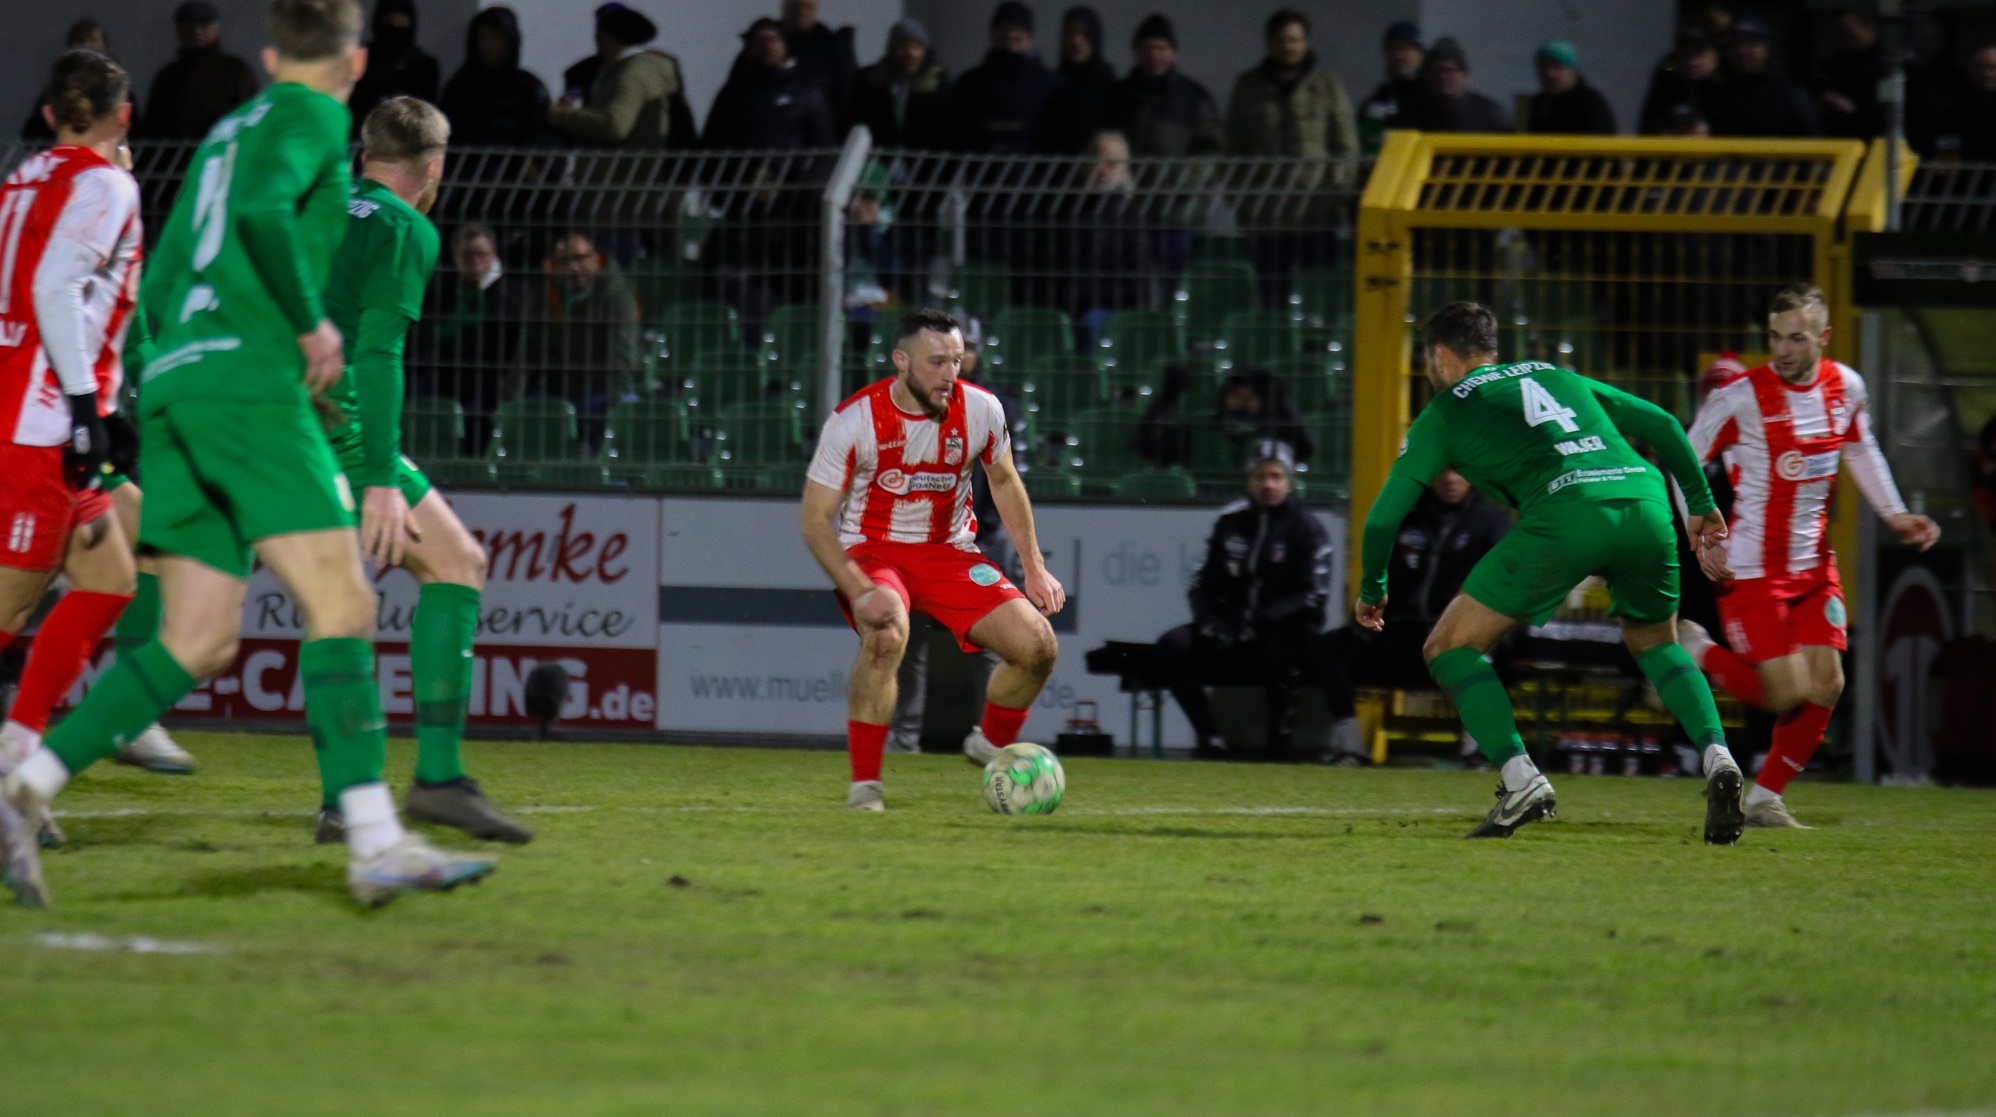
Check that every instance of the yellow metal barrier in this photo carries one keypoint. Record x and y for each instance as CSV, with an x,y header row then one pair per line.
x,y
1620,257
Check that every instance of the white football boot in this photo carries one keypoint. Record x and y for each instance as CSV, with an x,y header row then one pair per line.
x,y
977,749
866,795
154,751
412,865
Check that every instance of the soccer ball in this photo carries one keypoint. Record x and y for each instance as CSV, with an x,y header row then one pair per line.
x,y
1024,779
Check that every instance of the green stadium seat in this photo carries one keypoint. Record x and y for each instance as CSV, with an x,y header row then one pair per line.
x,y
792,338
1067,384
1326,298
1136,339
646,432
536,429
780,479
690,329
663,281
1156,484
1260,337
980,291
1221,245
1210,290
721,378
681,475
460,473
1022,337
1053,484
1311,383
1105,438
759,434
578,475
432,428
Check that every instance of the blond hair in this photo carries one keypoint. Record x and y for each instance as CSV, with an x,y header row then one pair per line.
x,y
402,129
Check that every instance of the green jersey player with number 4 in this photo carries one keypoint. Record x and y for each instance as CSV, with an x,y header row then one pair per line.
x,y
375,294
236,465
1551,444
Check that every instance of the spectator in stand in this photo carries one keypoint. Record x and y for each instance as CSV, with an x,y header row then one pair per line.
x,y
1161,111
1755,98
637,98
1847,81
1289,105
491,101
1403,50
1080,104
1451,528
580,343
85,34
468,336
1251,406
202,83
1972,121
396,66
1092,258
824,57
1685,122
1447,103
769,104
1000,102
904,99
1259,603
1565,104
1689,75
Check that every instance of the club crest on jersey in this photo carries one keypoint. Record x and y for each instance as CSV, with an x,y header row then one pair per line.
x,y
984,574
953,450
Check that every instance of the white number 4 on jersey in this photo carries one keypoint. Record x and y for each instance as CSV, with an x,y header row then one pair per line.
x,y
1540,407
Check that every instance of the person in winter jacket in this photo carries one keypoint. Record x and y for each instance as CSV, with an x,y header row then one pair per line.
x,y
1160,110
1080,104
823,55
636,98
491,100
769,105
904,99
1001,101
396,66
1290,105
1565,104
1259,604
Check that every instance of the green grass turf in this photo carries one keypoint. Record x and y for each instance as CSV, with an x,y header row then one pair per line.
x,y
707,931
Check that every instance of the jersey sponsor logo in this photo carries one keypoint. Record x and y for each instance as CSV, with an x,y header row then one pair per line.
x,y
1594,476
894,481
985,574
1797,466
901,482
1580,445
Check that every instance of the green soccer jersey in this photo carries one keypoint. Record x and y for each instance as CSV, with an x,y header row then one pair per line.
x,y
1537,437
375,294
241,264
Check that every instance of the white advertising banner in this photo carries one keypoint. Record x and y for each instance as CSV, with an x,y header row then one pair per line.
x,y
751,639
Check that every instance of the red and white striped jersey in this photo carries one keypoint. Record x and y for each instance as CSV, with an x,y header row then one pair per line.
x,y
69,244
1782,444
906,476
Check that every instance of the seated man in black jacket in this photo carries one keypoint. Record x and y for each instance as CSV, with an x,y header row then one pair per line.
x,y
1445,535
1258,604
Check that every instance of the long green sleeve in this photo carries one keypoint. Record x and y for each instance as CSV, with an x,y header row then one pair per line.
x,y
283,181
1640,419
1424,455
378,379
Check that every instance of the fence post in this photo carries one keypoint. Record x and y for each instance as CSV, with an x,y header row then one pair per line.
x,y
832,286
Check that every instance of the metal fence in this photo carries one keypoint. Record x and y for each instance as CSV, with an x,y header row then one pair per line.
x,y
685,319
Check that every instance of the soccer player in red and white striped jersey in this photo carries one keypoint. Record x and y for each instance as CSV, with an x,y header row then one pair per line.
x,y
1783,430
887,513
69,269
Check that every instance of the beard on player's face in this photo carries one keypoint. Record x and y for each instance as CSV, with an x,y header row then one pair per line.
x,y
933,400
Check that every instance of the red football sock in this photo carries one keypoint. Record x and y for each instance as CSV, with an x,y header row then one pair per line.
x,y
864,743
62,646
1735,675
6,638
1001,723
1797,734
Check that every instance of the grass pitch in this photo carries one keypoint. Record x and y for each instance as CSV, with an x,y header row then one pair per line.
x,y
702,931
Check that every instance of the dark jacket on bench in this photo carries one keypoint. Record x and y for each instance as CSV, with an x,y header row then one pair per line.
x,y
1265,567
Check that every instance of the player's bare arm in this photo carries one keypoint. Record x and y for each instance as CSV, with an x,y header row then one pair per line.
x,y
820,506
1008,492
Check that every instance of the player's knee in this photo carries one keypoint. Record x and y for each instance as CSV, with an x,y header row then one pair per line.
x,y
1037,657
204,655
1437,643
346,615
885,642
1828,685
467,564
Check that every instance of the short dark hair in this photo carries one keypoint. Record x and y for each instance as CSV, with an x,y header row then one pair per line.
x,y
85,87
926,318
1282,18
1467,329
473,231
314,30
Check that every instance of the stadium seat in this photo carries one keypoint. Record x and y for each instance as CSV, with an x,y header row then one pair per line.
x,y
1135,339
579,475
1053,483
1211,290
663,281
432,428
459,473
646,432
792,339
720,378
689,329
536,429
1156,484
1327,300
980,291
1260,337
1309,382
1227,245
1105,437
759,434
1022,337
1067,384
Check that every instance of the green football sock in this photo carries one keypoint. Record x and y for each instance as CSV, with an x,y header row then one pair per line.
x,y
343,711
131,695
1684,691
1481,700
139,623
440,669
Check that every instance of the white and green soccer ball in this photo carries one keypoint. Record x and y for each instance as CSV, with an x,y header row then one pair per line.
x,y
1024,779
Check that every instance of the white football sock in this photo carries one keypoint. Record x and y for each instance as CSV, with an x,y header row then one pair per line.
x,y
1756,795
45,772
1519,771
370,818
1714,752
16,742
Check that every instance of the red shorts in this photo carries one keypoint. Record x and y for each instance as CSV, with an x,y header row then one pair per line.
x,y
38,509
1767,618
957,588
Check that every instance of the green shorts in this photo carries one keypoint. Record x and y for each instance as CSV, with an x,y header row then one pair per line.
x,y
409,476
1630,543
222,474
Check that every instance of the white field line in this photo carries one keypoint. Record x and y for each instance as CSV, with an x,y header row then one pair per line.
x,y
121,944
715,808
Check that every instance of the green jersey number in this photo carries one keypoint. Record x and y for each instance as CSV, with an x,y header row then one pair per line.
x,y
211,206
1542,408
